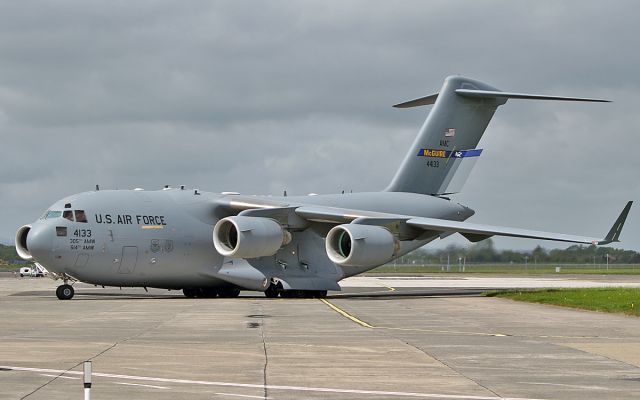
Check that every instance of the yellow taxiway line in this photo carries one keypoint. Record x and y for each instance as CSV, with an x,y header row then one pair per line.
x,y
367,325
346,314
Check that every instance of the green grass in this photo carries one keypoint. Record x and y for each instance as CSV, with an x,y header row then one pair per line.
x,y
508,269
615,300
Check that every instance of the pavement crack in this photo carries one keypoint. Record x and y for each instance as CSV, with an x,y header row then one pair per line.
x,y
448,366
266,357
112,346
67,370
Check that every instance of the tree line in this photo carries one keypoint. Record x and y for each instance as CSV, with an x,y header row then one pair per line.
x,y
485,252
8,254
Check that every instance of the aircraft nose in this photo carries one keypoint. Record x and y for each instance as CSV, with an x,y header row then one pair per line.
x,y
39,241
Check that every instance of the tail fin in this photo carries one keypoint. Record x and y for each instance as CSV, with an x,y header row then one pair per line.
x,y
444,152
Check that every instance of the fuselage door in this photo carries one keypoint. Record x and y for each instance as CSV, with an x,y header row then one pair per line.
x,y
128,260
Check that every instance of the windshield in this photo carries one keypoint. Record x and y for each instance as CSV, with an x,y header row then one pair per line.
x,y
53,214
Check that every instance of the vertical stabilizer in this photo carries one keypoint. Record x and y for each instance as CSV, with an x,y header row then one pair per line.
x,y
444,152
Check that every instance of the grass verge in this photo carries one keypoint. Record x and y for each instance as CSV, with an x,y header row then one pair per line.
x,y
615,300
507,269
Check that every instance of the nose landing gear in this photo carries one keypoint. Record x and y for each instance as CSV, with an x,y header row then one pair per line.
x,y
65,292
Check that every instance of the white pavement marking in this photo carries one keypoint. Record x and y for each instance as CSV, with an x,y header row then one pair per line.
x,y
274,387
482,282
243,395
140,384
60,376
566,385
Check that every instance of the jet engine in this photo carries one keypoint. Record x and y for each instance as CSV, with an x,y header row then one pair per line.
x,y
21,243
249,237
354,245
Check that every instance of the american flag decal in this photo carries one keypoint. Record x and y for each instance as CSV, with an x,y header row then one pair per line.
x,y
451,132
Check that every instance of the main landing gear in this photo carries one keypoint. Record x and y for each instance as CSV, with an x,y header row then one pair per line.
x,y
275,290
65,292
194,292
303,294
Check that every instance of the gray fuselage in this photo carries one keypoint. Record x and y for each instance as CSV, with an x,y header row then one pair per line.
x,y
164,238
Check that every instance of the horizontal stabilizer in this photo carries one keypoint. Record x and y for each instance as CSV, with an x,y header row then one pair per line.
x,y
498,94
422,101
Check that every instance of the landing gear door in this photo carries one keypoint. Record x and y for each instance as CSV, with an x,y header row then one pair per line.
x,y
128,260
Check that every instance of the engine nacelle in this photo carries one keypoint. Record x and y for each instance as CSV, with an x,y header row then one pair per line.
x,y
21,243
354,245
249,237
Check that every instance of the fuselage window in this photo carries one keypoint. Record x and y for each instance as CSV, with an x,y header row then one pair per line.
x,y
81,216
68,214
53,214
61,231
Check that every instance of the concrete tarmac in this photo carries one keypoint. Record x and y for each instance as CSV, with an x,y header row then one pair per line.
x,y
373,341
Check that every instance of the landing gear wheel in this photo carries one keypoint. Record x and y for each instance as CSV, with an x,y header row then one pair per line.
x,y
65,292
295,294
229,293
272,291
190,292
320,294
209,293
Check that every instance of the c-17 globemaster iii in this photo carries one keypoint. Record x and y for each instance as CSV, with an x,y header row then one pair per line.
x,y
216,244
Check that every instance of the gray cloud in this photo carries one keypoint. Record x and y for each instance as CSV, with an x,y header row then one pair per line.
x,y
261,97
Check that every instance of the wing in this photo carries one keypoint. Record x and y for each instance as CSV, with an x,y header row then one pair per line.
x,y
473,232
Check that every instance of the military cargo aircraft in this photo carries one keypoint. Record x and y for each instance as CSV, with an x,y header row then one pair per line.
x,y
216,244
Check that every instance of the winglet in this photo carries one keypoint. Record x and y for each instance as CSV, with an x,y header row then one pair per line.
x,y
614,232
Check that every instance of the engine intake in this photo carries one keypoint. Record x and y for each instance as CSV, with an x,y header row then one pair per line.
x,y
354,245
21,243
249,237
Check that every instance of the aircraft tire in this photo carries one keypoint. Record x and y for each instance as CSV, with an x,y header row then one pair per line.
x,y
320,294
190,292
295,294
65,292
229,293
272,292
209,293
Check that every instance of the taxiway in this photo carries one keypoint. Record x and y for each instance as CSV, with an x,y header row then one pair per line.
x,y
381,338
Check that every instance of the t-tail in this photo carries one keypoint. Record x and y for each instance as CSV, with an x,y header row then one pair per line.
x,y
444,152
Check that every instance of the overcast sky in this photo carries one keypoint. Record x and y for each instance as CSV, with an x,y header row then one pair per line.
x,y
258,97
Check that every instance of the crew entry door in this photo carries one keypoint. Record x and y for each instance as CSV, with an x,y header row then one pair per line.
x,y
128,260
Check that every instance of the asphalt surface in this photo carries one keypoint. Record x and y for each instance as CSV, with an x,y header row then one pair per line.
x,y
373,341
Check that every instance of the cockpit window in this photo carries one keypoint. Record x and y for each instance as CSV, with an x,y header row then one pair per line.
x,y
81,216
67,214
53,214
